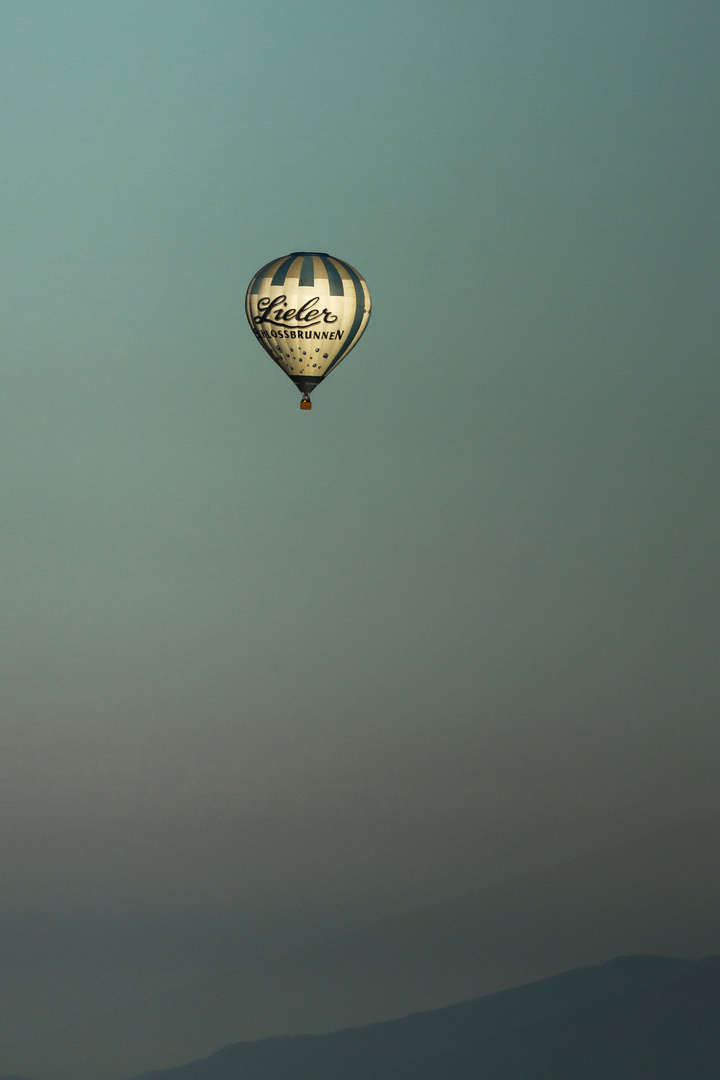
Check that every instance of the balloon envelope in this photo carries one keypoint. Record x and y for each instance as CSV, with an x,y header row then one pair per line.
x,y
307,310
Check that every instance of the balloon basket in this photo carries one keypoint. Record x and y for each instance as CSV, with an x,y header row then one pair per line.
x,y
306,403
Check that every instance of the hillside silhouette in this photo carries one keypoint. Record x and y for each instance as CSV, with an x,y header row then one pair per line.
x,y
633,1018
655,895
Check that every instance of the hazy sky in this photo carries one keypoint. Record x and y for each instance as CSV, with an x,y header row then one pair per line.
x,y
458,621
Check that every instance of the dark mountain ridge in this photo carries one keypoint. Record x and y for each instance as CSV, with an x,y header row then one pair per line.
x,y
633,1018
653,895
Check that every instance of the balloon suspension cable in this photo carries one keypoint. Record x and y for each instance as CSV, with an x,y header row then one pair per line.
x,y
306,403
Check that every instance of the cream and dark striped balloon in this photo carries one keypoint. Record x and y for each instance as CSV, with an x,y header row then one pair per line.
x,y
307,310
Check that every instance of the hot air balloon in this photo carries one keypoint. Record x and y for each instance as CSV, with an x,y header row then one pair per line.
x,y
307,310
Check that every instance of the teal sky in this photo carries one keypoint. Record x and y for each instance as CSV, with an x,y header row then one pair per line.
x,y
305,670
